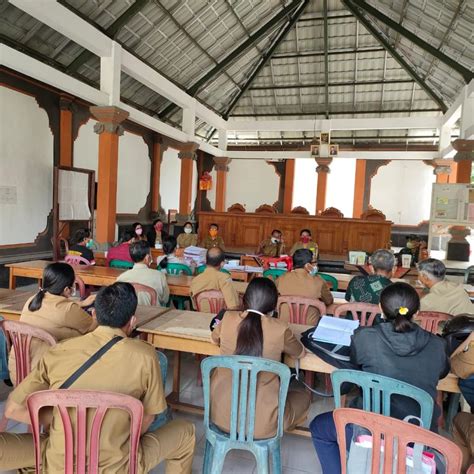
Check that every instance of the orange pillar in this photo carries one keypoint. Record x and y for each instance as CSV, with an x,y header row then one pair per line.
x,y
359,188
109,129
65,131
188,156
289,183
158,149
222,167
463,171
323,170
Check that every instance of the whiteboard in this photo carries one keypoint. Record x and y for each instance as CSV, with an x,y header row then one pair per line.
x,y
453,203
73,196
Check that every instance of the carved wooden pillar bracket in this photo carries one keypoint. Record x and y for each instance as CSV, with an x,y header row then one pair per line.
x,y
221,163
109,119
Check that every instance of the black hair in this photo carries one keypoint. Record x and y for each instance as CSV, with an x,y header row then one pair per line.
x,y
305,230
157,220
127,235
169,246
188,222
214,225
261,295
302,257
115,304
396,299
214,257
56,278
414,237
134,227
80,235
276,230
139,250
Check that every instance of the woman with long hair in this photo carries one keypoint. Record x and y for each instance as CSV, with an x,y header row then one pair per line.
x,y
254,332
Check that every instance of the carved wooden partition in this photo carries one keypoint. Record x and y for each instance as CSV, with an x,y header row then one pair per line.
x,y
334,236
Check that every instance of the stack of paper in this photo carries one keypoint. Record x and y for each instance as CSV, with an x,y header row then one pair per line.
x,y
197,254
335,330
250,269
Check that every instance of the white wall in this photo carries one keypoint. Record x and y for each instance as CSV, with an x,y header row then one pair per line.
x,y
402,191
86,148
340,185
170,173
304,185
26,168
251,183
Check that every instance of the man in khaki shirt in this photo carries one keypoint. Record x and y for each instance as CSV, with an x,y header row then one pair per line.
x,y
302,282
143,274
444,296
130,367
213,279
272,247
213,240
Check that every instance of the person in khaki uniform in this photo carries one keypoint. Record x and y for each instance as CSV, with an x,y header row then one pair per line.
x,y
130,367
213,240
301,281
305,242
213,279
255,332
187,238
52,309
444,296
272,247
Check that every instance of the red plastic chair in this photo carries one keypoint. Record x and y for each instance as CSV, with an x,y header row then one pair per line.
x,y
77,438
429,320
470,469
363,312
214,298
392,429
139,288
79,283
76,260
19,335
298,307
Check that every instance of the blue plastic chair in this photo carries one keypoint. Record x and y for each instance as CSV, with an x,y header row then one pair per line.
x,y
178,269
274,273
245,371
329,279
4,374
115,263
377,391
165,416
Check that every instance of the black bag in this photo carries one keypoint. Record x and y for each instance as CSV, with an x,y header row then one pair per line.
x,y
336,355
457,330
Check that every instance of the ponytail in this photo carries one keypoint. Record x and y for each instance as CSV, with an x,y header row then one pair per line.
x,y
35,303
399,303
250,336
401,323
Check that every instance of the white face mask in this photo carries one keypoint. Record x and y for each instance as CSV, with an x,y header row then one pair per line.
x,y
275,240
314,270
188,230
139,231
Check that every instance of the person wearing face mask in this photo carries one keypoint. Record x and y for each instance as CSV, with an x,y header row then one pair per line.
x,y
187,238
53,310
156,234
213,239
80,245
302,281
413,247
137,232
272,247
142,273
305,242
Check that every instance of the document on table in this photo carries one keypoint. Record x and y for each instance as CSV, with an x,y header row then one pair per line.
x,y
335,330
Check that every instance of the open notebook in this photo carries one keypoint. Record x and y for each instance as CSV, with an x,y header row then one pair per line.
x,y
335,330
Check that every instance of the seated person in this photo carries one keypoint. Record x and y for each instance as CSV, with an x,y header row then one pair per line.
x,y
137,229
397,348
130,367
187,238
413,247
444,296
122,250
306,242
156,234
169,249
254,332
53,310
302,281
80,244
213,240
367,288
213,279
142,273
272,247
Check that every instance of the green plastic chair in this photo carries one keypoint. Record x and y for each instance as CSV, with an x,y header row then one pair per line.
x,y
178,269
120,264
4,374
223,270
377,391
200,269
245,371
274,273
330,279
165,416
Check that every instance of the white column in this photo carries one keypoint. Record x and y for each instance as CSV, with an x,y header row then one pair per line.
x,y
189,120
222,139
110,67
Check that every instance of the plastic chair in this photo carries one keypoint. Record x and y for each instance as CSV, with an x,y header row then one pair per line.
x,y
329,279
139,288
298,307
4,374
165,416
274,273
76,260
429,320
245,372
377,391
363,312
392,430
116,263
214,298
81,444
79,283
200,269
223,270
178,269
467,274
19,335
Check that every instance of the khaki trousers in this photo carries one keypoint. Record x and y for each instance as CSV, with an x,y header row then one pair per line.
x,y
173,442
463,434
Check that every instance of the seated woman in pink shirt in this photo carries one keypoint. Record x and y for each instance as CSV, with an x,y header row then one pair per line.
x,y
122,250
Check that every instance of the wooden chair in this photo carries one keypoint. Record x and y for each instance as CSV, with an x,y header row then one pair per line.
x,y
76,260
298,307
237,207
139,288
332,212
81,445
430,320
300,210
363,312
373,215
265,209
393,431
215,300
